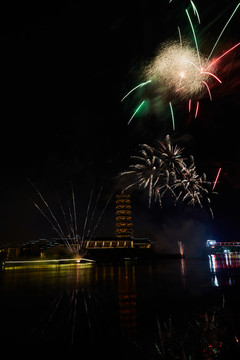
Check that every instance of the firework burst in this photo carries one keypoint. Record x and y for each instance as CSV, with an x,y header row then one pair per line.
x,y
175,69
181,72
163,172
146,171
193,188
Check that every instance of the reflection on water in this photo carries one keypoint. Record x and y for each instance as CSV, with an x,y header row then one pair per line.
x,y
127,300
225,268
167,309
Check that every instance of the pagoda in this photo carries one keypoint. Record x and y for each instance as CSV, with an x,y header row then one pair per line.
x,y
124,226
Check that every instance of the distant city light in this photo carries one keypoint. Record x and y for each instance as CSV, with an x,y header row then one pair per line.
x,y
211,242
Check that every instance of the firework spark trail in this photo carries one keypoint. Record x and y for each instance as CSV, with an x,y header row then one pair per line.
x,y
73,224
86,219
61,235
150,192
94,210
136,111
48,219
196,67
211,74
73,234
194,36
60,231
71,237
74,211
100,217
208,89
69,228
195,11
189,105
180,36
136,87
197,108
172,114
215,182
223,31
221,56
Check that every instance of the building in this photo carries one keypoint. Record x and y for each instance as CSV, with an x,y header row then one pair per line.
x,y
124,225
214,246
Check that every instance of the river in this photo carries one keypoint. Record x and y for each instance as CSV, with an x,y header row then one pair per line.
x,y
161,309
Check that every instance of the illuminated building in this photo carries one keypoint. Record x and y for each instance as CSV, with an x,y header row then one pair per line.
x,y
222,246
124,226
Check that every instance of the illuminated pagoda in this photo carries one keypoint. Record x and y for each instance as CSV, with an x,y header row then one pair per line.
x,y
124,226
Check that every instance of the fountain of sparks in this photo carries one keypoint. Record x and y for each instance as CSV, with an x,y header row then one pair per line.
x,y
68,228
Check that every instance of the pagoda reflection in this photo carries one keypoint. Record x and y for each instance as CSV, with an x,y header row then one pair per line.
x,y
127,300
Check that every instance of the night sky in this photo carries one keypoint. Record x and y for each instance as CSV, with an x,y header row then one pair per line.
x,y
65,69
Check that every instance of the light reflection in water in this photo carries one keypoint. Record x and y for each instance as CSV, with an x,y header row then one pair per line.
x,y
127,300
153,305
224,267
183,271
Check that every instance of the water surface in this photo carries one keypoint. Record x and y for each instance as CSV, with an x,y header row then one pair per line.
x,y
171,308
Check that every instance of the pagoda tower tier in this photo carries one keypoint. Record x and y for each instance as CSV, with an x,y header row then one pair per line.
x,y
124,225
